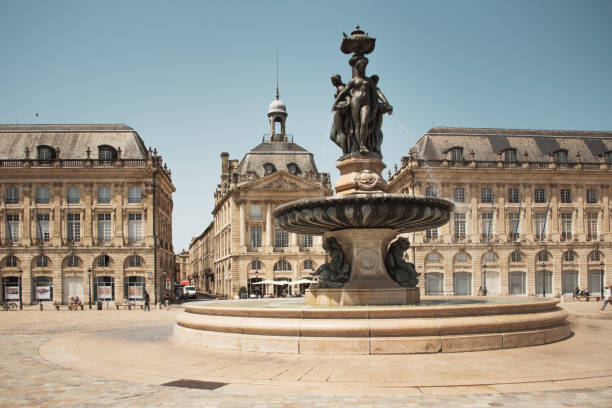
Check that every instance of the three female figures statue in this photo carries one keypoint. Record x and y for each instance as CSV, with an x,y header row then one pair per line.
x,y
358,110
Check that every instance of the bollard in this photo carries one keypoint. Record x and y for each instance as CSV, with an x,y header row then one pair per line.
x,y
40,307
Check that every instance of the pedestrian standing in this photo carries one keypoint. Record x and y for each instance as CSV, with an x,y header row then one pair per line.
x,y
147,298
607,297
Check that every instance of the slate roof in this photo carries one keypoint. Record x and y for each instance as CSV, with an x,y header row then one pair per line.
x,y
280,154
72,139
538,144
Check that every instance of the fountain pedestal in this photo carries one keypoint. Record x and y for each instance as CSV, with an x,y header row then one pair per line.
x,y
369,282
360,174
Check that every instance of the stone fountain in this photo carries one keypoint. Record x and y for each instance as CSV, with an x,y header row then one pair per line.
x,y
366,300
359,223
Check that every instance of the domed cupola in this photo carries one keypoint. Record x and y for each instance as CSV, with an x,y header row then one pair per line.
x,y
277,113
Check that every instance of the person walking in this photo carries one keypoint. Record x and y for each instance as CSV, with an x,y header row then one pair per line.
x,y
146,299
607,297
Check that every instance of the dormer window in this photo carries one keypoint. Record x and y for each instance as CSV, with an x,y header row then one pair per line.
x,y
456,153
510,155
269,168
45,152
609,157
560,156
106,152
293,168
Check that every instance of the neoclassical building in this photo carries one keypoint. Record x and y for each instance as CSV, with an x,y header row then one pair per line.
x,y
247,245
87,211
532,212
201,260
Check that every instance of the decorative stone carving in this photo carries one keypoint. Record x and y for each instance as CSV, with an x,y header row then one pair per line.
x,y
335,273
401,271
368,180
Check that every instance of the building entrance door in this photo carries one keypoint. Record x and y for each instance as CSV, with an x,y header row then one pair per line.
x,y
72,286
492,284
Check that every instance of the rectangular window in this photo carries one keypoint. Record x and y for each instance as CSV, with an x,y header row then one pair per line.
x,y
12,227
12,195
74,195
513,195
307,241
432,234
566,195
281,238
104,227
256,236
459,219
134,227
431,192
459,195
540,226
486,195
42,229
134,195
74,227
566,226
514,220
539,195
486,224
255,211
42,195
591,226
104,195
592,196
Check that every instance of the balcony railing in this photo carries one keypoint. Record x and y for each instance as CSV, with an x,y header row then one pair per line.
x,y
591,237
305,249
514,236
279,249
566,236
253,248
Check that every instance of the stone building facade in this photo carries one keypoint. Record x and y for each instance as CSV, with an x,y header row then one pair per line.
x,y
201,260
86,211
181,268
532,212
246,245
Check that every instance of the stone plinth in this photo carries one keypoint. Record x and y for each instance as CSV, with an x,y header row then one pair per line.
x,y
360,174
362,297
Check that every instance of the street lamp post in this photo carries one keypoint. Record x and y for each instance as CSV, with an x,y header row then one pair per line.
x,y
20,293
89,272
601,266
484,281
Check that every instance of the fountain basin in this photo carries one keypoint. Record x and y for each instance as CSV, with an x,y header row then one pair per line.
x,y
400,212
452,325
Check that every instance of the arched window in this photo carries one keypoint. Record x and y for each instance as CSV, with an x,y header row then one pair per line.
x,y
134,261
308,264
45,152
461,257
135,287
73,261
510,155
269,168
256,265
489,257
104,261
456,153
543,256
516,256
560,156
106,152
42,261
282,265
293,168
43,288
433,258
10,261
569,256
595,256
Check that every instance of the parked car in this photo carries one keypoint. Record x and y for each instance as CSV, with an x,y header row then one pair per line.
x,y
190,291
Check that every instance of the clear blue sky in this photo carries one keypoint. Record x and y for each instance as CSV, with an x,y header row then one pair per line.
x,y
194,78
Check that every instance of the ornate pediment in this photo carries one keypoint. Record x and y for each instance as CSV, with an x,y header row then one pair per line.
x,y
280,181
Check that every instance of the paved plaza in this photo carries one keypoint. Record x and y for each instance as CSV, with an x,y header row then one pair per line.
x,y
123,358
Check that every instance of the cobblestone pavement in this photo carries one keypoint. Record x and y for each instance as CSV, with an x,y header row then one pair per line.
x,y
29,380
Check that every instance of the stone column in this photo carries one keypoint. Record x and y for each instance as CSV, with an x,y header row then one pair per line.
x,y
27,218
88,221
269,225
553,215
471,219
579,215
118,206
526,226
605,224
242,228
56,215
501,213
